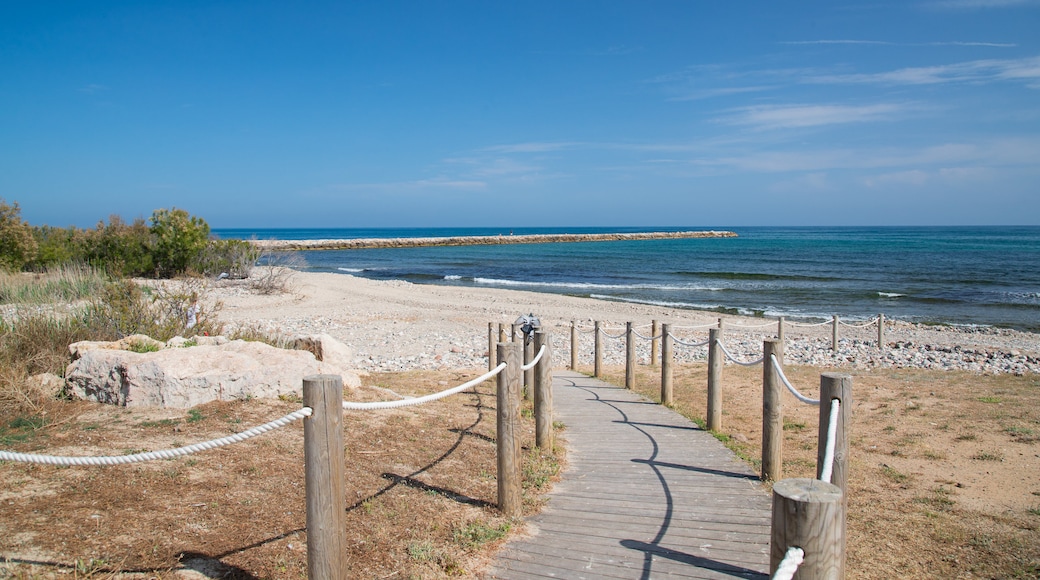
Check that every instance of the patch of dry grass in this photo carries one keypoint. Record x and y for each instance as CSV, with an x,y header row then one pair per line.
x,y
421,490
942,464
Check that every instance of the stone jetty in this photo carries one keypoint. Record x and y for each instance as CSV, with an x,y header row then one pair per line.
x,y
370,243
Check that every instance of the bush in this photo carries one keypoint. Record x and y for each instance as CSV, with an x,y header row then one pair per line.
x,y
120,248
178,240
17,245
235,258
124,308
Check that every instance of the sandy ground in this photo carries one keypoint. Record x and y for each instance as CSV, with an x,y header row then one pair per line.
x,y
396,325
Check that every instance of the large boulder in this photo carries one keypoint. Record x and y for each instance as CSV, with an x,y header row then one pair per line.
x,y
185,377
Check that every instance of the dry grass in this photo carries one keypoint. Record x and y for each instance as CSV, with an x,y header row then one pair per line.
x,y
421,490
943,468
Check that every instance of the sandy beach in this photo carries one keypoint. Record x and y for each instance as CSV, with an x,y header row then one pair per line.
x,y
397,325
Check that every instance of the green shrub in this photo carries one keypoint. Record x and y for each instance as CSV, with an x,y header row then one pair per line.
x,y
235,258
17,245
178,239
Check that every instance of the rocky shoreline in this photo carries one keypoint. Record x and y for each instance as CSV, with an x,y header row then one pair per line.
x,y
378,243
395,326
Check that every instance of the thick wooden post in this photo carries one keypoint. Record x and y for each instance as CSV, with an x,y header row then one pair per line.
x,y
809,514
881,331
515,331
630,357
507,432
655,330
501,335
720,323
574,345
666,364
834,333
835,386
772,417
324,484
491,346
597,366
781,334
529,373
543,395
715,360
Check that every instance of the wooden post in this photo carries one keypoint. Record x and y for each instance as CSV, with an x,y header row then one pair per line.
x,y
772,417
666,364
501,335
543,395
834,333
529,351
809,514
781,335
507,433
835,386
597,366
491,346
715,360
574,345
516,331
630,357
881,331
324,484
720,323
655,329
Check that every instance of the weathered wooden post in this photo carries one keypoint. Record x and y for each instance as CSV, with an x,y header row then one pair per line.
x,y
630,356
507,433
809,514
781,334
881,331
597,366
834,333
501,335
516,331
835,386
574,345
655,329
772,417
666,364
720,323
529,373
715,360
324,479
543,395
491,346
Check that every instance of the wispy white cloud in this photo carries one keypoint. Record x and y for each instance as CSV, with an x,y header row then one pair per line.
x,y
800,116
697,95
888,43
533,147
977,71
977,4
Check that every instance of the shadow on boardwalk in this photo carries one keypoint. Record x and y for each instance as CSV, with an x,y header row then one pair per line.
x,y
647,494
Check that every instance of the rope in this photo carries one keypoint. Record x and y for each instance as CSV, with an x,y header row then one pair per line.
x,y
751,325
794,391
741,363
601,331
789,565
153,455
824,323
589,331
648,337
870,322
695,327
689,344
349,406
534,361
832,436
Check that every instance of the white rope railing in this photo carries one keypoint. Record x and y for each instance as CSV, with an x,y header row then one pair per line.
x,y
790,387
696,326
789,565
866,324
739,362
153,455
689,344
800,325
352,406
832,436
534,361
589,331
604,333
763,325
658,337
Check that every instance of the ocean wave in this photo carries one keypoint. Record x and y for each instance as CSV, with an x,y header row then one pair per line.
x,y
351,270
757,276
591,286
452,277
890,295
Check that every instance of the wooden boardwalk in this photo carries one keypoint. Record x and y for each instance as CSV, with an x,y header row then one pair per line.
x,y
647,494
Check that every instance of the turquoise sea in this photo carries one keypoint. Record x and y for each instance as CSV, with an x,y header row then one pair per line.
x,y
952,275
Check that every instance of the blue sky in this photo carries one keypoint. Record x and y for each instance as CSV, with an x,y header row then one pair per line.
x,y
626,113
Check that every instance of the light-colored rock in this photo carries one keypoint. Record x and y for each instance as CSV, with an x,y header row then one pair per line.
x,y
134,342
328,350
181,342
47,383
185,377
